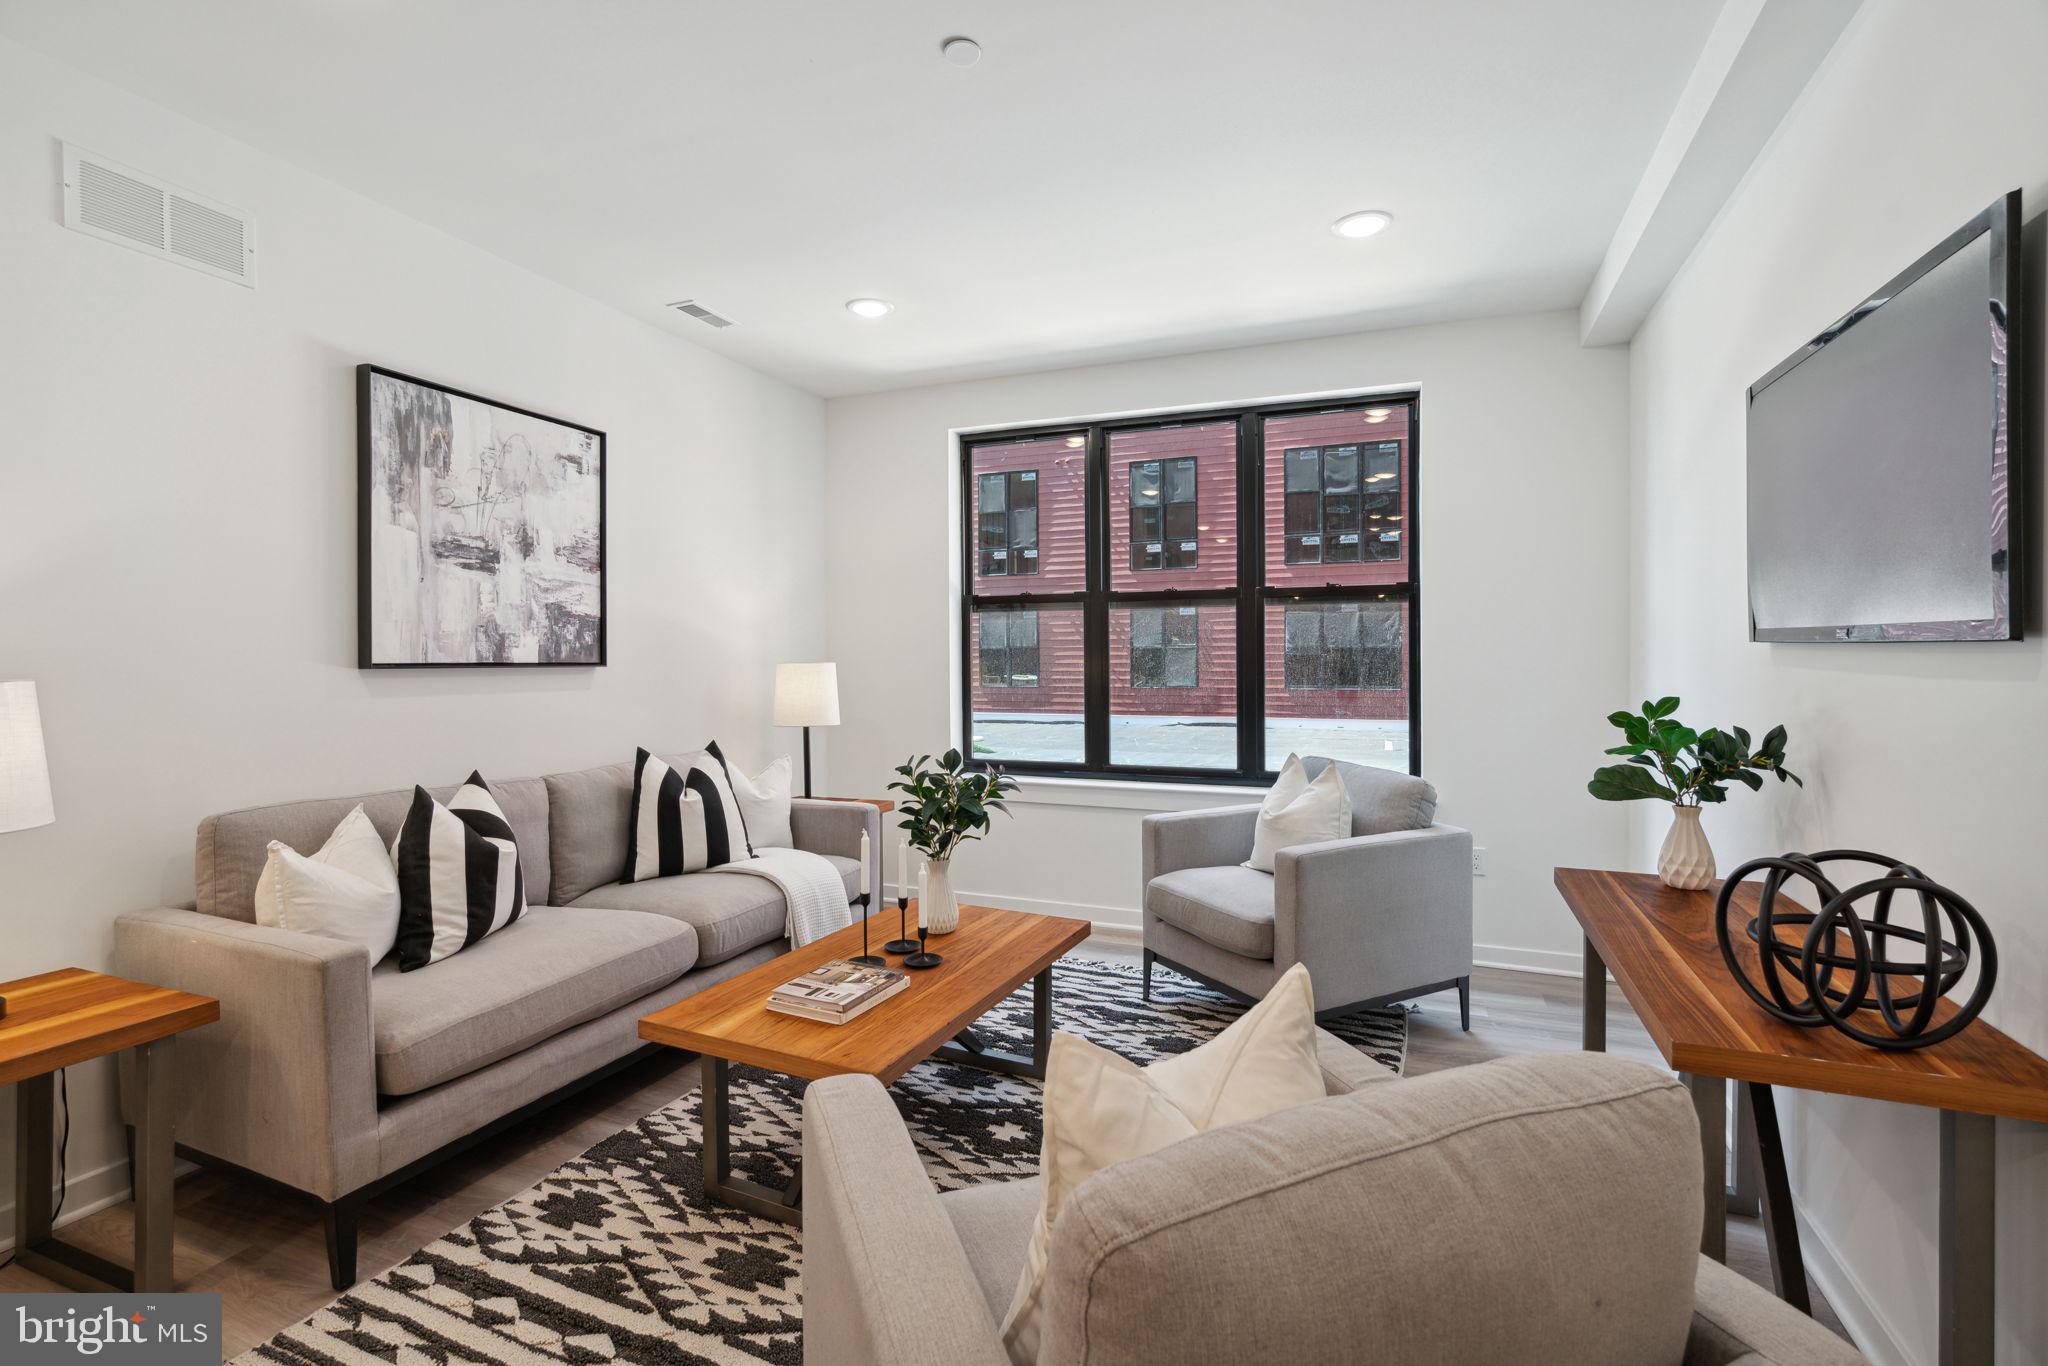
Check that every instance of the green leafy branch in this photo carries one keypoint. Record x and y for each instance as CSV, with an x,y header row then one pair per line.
x,y
1670,761
946,804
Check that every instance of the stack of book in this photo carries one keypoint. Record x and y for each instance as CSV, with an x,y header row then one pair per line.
x,y
837,991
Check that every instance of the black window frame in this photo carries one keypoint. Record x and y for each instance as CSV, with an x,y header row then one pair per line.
x,y
1250,597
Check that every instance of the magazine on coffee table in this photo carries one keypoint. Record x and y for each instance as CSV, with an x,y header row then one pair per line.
x,y
837,991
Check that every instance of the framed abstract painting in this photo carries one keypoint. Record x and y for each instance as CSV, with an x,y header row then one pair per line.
x,y
480,531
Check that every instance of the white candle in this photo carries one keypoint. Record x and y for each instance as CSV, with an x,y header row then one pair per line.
x,y
902,867
920,896
863,863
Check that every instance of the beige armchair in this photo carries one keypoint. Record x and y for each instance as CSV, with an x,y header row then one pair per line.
x,y
1383,916
1533,1210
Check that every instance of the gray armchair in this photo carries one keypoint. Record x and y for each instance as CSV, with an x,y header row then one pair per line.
x,y
1536,1210
1382,916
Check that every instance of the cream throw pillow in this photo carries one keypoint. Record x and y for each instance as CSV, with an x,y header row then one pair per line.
x,y
1298,811
1101,1108
348,890
764,804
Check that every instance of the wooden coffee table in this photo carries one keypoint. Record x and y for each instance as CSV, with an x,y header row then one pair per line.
x,y
990,955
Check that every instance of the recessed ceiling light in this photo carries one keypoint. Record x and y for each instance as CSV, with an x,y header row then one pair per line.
x,y
870,308
1377,414
1075,443
960,51
1366,223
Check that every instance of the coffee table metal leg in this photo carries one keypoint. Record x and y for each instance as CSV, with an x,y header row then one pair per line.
x,y
994,1060
1781,1229
719,1182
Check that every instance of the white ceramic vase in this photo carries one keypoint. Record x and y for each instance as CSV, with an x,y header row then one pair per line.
x,y
940,909
1686,861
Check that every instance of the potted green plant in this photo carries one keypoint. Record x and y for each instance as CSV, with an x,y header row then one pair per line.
x,y
1669,761
945,804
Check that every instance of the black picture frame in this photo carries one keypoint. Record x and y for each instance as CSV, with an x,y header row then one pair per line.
x,y
366,605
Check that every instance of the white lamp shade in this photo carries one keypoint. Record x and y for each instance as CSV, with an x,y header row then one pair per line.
x,y
24,771
806,694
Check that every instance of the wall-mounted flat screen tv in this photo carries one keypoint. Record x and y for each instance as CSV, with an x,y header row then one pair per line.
x,y
1885,489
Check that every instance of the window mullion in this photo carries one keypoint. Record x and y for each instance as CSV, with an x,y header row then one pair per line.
x,y
1095,611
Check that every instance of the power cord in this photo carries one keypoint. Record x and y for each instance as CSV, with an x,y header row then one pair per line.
x,y
63,1150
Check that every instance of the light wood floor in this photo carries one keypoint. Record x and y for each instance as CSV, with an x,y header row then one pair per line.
x,y
264,1252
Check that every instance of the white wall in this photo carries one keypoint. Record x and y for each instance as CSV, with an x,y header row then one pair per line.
x,y
1523,479
177,524
1922,116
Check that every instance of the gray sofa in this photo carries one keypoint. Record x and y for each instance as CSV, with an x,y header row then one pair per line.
x,y
1380,917
1532,1210
339,1077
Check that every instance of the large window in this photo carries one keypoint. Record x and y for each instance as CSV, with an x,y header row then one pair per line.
x,y
1195,596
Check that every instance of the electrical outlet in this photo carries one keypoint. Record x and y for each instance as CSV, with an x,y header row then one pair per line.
x,y
1478,861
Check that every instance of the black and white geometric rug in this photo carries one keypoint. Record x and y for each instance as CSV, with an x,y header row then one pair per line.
x,y
617,1256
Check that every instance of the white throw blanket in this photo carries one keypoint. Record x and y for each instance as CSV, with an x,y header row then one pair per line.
x,y
812,887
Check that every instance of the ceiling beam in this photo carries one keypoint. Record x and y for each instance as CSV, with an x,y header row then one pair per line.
x,y
1758,57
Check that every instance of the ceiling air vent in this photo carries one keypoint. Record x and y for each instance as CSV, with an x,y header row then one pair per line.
x,y
700,313
121,204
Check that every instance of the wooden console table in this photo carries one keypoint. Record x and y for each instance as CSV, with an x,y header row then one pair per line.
x,y
71,1016
1660,945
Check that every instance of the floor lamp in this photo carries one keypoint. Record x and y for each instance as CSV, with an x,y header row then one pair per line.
x,y
807,695
24,771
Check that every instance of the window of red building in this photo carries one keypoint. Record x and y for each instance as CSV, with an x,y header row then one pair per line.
x,y
1175,556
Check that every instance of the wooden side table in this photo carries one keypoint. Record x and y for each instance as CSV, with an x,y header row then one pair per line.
x,y
71,1016
1660,944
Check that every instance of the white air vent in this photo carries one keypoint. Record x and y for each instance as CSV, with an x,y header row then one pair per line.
x,y
121,204
700,313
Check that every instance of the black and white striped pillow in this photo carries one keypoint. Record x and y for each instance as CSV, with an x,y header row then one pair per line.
x,y
458,874
683,819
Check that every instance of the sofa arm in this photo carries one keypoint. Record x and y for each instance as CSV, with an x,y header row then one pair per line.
x,y
873,1229
285,1083
1375,914
1211,838
1735,1321
1345,1069
826,827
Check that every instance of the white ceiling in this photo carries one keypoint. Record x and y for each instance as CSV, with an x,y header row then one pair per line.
x,y
1116,178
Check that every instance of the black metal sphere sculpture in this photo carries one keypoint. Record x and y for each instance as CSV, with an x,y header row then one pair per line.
x,y
1836,940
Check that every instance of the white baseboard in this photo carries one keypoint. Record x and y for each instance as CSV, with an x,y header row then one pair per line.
x,y
84,1193
1550,962
1868,1328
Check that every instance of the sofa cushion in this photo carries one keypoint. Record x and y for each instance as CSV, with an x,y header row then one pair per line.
x,y
234,846
994,1222
731,912
589,810
1382,801
1504,1162
1230,907
547,971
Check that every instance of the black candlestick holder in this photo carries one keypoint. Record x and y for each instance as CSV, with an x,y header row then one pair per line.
x,y
905,944
864,958
923,958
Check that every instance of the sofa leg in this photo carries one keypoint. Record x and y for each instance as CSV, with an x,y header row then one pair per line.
x,y
341,1241
1465,1004
1149,957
